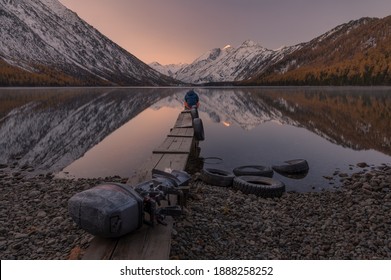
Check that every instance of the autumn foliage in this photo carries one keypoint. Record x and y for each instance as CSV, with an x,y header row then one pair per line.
x,y
356,53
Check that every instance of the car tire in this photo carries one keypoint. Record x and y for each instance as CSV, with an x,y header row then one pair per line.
x,y
294,166
253,170
217,177
198,129
259,186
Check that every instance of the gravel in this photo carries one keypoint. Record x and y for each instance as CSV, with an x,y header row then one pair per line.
x,y
34,219
352,222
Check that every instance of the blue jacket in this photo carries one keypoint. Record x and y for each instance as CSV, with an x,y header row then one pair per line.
x,y
191,98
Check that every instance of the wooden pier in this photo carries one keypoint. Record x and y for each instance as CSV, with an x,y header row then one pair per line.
x,y
150,243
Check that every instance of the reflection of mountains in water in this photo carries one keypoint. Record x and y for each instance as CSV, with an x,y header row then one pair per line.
x,y
231,107
354,118
49,130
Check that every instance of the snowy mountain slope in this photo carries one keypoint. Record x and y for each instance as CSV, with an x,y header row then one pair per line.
x,y
229,63
354,46
38,34
169,69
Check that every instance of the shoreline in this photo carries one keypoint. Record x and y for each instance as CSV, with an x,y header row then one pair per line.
x,y
351,222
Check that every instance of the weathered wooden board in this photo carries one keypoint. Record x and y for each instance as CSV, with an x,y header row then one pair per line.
x,y
181,132
175,145
184,120
147,243
172,161
100,249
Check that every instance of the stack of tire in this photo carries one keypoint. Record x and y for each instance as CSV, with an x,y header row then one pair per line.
x,y
198,127
250,179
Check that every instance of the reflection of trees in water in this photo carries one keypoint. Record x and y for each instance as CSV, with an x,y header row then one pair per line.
x,y
356,119
51,128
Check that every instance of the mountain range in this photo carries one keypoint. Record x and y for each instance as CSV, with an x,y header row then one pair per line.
x,y
354,53
45,44
228,63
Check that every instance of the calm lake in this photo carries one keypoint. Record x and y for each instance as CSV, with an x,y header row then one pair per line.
x,y
98,132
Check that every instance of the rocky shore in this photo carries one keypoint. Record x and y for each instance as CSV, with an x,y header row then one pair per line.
x,y
34,219
352,222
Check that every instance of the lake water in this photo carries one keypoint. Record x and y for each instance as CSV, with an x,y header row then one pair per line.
x,y
98,132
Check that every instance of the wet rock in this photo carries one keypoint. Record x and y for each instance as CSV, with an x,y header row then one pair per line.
x,y
2,165
20,235
362,164
34,193
41,214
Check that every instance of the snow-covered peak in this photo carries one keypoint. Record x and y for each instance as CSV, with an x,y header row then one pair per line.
x,y
249,43
169,69
38,34
228,64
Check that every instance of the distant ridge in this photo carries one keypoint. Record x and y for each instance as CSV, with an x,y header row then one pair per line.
x,y
354,53
44,43
228,64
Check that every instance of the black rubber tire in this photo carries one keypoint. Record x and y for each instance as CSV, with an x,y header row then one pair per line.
x,y
253,170
194,113
217,177
198,129
294,166
260,186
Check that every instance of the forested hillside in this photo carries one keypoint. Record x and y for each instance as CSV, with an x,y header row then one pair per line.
x,y
40,76
356,53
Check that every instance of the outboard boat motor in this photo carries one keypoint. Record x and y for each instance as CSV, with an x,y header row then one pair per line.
x,y
114,209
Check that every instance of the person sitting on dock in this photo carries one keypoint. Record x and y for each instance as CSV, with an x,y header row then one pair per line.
x,y
191,100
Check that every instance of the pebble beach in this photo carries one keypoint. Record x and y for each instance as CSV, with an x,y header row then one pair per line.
x,y
351,222
34,219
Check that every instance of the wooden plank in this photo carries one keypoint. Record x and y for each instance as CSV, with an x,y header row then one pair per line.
x,y
168,141
175,145
148,243
181,132
100,248
175,152
184,120
172,161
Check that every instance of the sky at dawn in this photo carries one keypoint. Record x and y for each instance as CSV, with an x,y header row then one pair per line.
x,y
174,31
